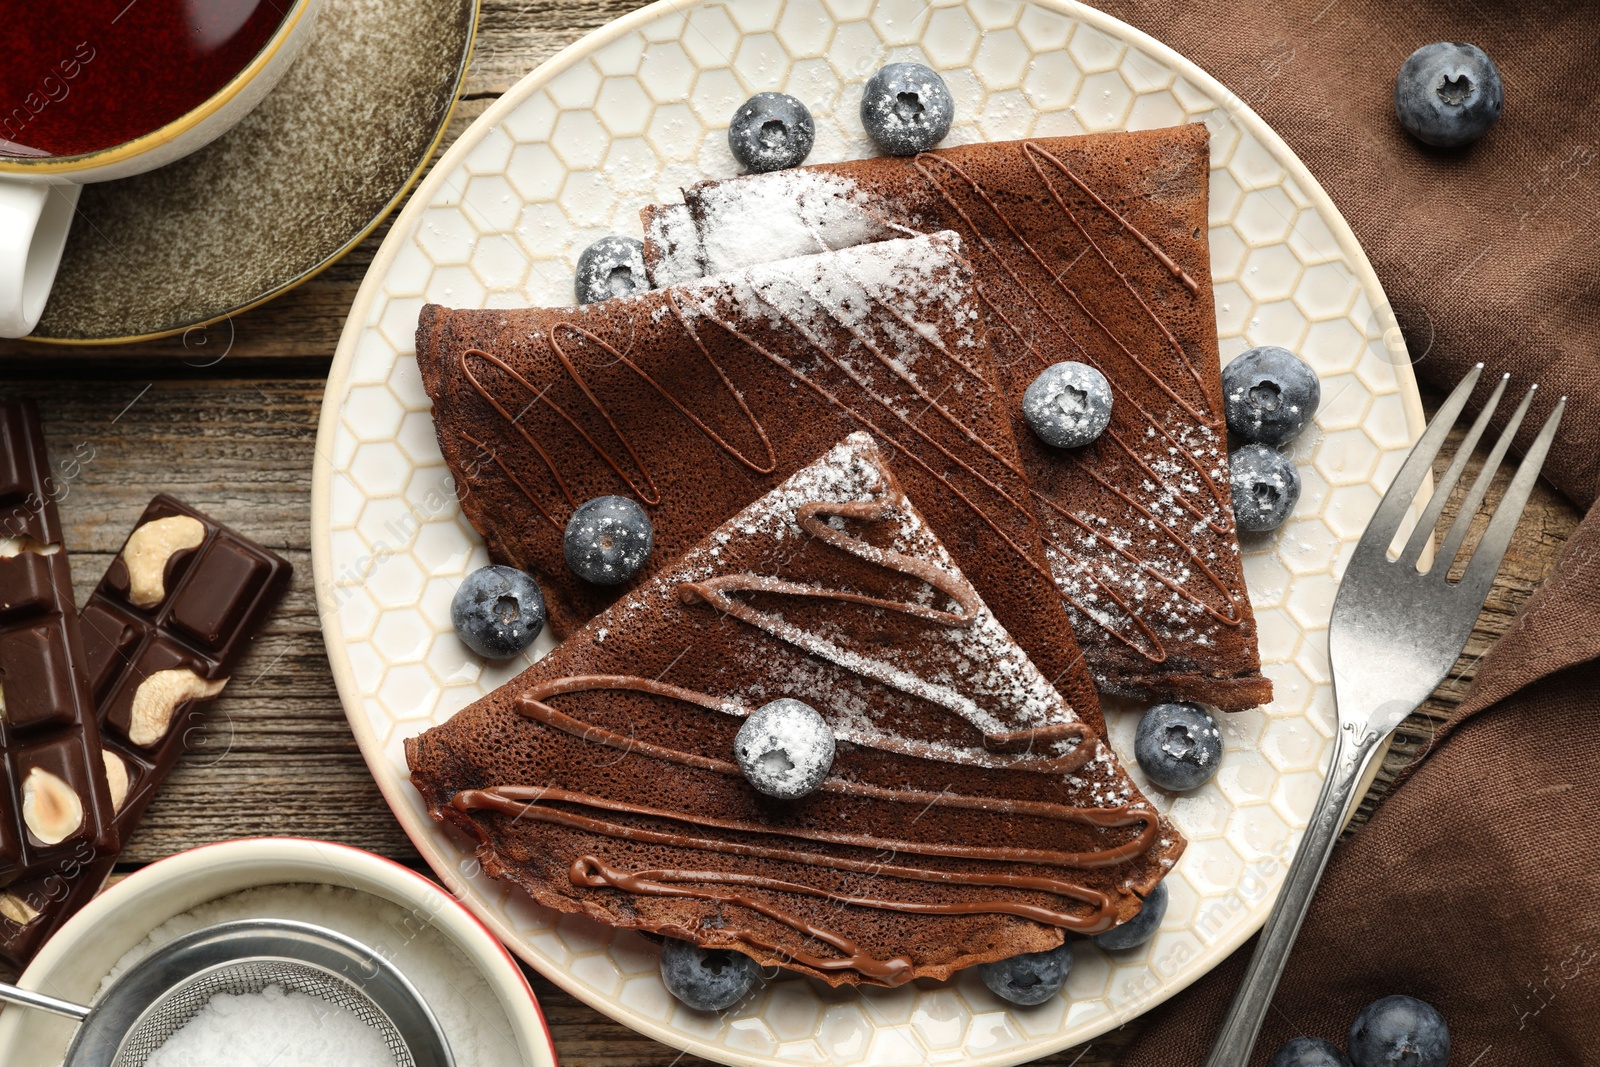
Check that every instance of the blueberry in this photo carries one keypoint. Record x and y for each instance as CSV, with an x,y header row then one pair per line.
x,y
1399,1031
1308,1052
784,748
771,131
906,108
1269,394
612,266
1448,93
1029,979
1178,745
608,539
498,611
706,979
1266,487
1068,405
1142,927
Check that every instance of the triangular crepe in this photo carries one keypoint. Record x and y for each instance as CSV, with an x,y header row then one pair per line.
x,y
969,814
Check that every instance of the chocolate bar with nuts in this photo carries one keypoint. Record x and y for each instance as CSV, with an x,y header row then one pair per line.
x,y
169,622
55,802
173,615
33,909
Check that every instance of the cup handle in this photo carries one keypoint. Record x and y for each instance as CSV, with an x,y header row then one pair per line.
x,y
34,220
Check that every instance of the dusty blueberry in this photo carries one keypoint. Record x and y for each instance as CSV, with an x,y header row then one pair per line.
x,y
1448,93
612,266
498,611
906,108
1266,487
1142,927
784,748
1178,745
1308,1052
1399,1031
608,539
1068,405
771,131
1031,978
1269,394
706,979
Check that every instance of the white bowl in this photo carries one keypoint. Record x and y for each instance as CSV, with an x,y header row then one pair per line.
x,y
73,962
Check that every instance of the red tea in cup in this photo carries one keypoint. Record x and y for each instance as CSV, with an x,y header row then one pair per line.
x,y
83,75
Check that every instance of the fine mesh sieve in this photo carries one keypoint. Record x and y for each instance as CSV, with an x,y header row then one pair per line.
x,y
156,997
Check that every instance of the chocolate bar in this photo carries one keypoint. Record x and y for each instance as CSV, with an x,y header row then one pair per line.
x,y
35,908
163,631
55,803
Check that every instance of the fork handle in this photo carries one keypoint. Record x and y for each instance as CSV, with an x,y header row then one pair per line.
x,y
1239,1031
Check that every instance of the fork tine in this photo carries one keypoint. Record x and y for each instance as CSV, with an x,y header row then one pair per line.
x,y
1441,491
1392,508
1485,562
1480,484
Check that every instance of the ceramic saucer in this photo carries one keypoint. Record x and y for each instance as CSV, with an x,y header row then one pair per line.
x,y
284,194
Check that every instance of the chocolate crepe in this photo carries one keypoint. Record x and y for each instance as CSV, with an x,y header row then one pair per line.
x,y
969,814
1084,248
697,399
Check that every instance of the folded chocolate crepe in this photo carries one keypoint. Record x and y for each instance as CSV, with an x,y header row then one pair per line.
x,y
1091,249
969,814
697,399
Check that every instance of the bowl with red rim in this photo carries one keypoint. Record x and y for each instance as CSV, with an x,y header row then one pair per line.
x,y
73,963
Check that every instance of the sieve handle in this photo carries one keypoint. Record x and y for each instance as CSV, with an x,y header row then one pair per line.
x,y
29,999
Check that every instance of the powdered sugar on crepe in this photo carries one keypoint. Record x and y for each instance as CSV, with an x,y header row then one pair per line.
x,y
853,288
983,677
730,225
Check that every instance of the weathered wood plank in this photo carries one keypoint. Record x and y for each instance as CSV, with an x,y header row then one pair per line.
x,y
515,36
278,756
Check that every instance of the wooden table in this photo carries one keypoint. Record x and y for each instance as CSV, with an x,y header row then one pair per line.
x,y
225,418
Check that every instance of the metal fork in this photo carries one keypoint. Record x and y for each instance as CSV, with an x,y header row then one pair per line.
x,y
1395,634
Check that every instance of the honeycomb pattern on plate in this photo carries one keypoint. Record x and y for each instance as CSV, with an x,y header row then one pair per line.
x,y
571,154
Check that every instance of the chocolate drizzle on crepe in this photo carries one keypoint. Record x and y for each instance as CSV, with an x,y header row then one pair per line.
x,y
1214,510
969,815
1084,248
696,399
765,291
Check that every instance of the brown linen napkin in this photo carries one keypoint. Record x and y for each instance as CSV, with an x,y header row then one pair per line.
x,y
1488,253
1477,885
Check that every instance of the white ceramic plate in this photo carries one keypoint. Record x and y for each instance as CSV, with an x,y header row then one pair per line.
x,y
637,110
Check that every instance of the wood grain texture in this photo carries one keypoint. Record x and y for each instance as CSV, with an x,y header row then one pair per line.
x,y
225,418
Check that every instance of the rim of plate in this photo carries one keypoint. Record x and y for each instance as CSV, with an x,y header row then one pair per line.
x,y
405,223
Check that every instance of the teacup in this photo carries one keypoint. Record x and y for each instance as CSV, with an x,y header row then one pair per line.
x,y
95,90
